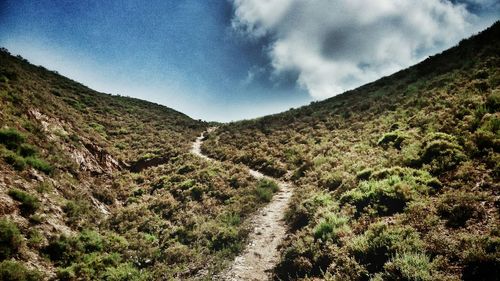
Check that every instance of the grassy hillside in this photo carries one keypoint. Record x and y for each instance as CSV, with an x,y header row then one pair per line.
x,y
395,180
101,187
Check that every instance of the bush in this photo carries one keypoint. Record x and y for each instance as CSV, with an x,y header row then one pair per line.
x,y
458,207
124,272
63,250
26,150
389,190
265,189
11,138
10,239
299,215
409,267
29,203
381,242
15,271
332,227
482,260
14,160
332,181
441,152
39,164
393,139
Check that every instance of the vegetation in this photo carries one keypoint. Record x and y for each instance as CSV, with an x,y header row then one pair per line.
x,y
395,179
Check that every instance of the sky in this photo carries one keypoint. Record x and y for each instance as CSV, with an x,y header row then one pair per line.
x,y
224,60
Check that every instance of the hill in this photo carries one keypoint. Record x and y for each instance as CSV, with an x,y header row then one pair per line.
x,y
395,180
102,187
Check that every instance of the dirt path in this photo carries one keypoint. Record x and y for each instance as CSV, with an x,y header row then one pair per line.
x,y
268,230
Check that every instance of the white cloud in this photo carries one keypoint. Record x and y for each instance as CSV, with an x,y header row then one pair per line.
x,y
336,45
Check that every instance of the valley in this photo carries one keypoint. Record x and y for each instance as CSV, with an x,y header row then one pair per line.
x,y
395,180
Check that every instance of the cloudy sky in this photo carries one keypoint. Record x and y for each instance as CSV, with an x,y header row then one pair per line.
x,y
232,59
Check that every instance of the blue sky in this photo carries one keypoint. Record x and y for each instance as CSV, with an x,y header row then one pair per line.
x,y
228,60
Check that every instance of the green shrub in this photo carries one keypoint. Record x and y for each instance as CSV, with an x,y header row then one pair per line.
x,y
91,241
388,190
393,139
29,203
26,150
265,189
482,260
124,272
63,250
442,152
488,135
299,215
10,239
381,242
332,180
409,267
11,138
14,271
458,207
364,174
39,164
16,161
493,102
332,227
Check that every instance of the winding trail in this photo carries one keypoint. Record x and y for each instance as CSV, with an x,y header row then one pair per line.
x,y
268,230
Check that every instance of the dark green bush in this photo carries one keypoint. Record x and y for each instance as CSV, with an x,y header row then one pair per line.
x,y
409,267
15,271
381,242
265,189
393,139
332,227
63,250
11,138
482,260
26,150
10,239
388,191
332,180
458,207
16,161
442,152
39,164
29,203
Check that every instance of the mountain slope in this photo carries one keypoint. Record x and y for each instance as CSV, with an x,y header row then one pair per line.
x,y
397,180
101,187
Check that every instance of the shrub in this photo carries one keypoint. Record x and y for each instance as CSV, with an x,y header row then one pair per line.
x,y
393,139
332,227
26,150
488,135
11,138
265,189
39,164
29,203
458,207
301,214
364,174
380,242
63,250
91,241
388,190
10,239
14,160
14,271
409,267
482,260
124,272
441,152
332,180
